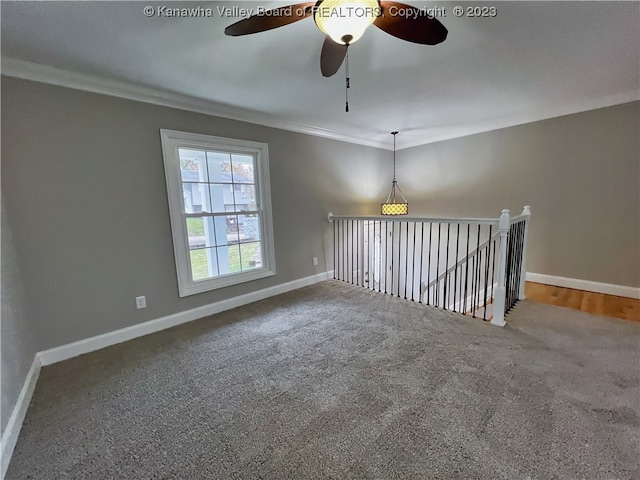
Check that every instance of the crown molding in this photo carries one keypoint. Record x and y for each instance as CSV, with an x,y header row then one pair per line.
x,y
560,111
25,70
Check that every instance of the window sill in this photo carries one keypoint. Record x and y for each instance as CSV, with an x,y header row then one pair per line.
x,y
193,288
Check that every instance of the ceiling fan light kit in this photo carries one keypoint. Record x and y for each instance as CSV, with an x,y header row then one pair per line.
x,y
346,21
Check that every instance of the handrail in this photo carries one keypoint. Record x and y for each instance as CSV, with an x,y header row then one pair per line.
x,y
472,254
406,218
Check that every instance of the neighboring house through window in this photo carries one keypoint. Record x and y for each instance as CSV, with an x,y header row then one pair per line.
x,y
220,207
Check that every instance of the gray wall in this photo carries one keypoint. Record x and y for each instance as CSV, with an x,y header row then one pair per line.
x,y
16,331
84,187
580,174
83,183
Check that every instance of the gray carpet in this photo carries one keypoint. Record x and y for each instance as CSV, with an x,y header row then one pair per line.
x,y
335,381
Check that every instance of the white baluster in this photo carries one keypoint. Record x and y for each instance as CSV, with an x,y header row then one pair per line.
x,y
500,295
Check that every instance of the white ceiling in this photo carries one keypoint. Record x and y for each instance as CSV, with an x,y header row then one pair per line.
x,y
534,60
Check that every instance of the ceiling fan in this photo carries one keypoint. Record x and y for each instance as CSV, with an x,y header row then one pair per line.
x,y
344,22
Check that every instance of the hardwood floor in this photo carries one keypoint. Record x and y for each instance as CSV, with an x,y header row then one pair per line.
x,y
598,303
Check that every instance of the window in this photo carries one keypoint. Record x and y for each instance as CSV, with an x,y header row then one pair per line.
x,y
220,208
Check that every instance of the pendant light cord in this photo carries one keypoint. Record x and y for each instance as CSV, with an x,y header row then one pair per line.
x,y
394,155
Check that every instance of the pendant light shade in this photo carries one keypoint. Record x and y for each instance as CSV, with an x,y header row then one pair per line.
x,y
396,203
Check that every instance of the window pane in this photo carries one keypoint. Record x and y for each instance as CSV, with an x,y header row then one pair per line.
x,y
245,196
203,263
196,197
193,167
251,254
242,166
219,166
200,232
229,258
222,197
220,230
249,228
232,229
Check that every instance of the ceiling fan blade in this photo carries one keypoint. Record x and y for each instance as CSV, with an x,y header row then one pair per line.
x,y
277,17
414,26
332,56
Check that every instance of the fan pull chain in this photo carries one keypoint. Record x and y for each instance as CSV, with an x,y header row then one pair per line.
x,y
347,86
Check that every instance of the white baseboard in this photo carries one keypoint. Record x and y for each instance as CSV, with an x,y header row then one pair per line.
x,y
587,285
70,350
12,430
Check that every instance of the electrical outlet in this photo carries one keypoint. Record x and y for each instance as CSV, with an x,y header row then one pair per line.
x,y
141,302
315,261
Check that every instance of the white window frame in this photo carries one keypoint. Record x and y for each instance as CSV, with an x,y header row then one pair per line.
x,y
173,140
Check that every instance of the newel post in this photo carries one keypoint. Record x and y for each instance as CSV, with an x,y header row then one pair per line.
x,y
500,295
523,268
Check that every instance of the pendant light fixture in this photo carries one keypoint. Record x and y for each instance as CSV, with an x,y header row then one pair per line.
x,y
393,205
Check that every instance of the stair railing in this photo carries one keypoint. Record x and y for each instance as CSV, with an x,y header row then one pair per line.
x,y
480,298
475,266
